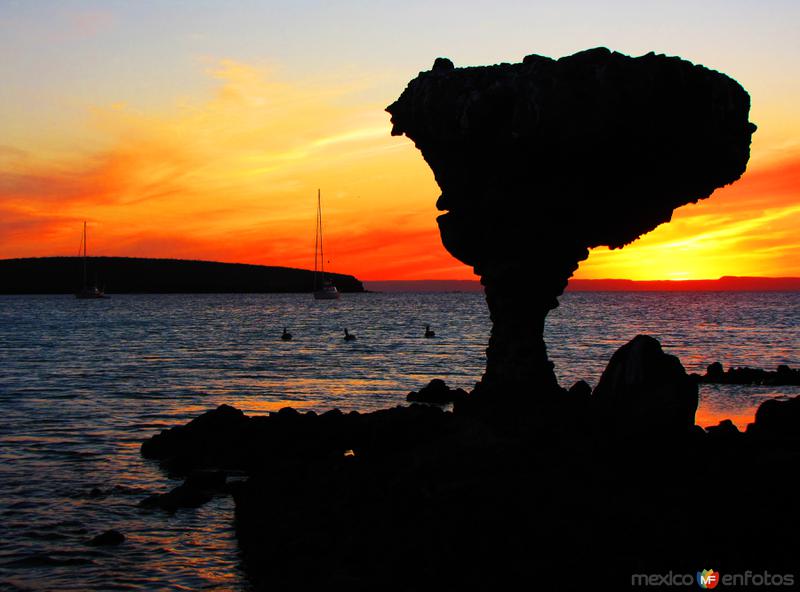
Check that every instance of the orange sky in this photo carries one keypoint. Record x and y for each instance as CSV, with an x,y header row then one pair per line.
x,y
227,169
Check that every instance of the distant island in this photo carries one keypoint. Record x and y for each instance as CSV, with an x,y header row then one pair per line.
x,y
63,275
723,284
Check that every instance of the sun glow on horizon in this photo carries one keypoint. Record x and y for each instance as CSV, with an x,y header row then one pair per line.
x,y
745,229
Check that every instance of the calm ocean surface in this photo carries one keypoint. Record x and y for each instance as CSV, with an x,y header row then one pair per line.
x,y
82,383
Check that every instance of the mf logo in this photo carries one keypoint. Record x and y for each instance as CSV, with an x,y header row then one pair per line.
x,y
708,579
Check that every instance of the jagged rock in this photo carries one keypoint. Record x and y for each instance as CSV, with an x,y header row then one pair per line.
x,y
233,442
580,389
782,376
541,160
436,392
108,538
777,418
214,433
645,390
474,501
724,429
715,371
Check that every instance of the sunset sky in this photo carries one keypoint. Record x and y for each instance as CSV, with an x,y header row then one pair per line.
x,y
202,129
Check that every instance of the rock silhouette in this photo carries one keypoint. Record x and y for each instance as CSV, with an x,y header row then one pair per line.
x,y
107,539
541,160
434,500
644,389
777,419
782,376
436,392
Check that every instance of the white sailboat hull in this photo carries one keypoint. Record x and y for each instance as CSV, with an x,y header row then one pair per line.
x,y
326,294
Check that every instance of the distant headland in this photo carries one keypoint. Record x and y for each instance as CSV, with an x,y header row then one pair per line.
x,y
62,275
723,284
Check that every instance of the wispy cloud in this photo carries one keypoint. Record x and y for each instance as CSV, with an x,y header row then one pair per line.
x,y
231,177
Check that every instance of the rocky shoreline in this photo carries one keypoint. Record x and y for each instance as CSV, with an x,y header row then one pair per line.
x,y
525,484
550,490
782,376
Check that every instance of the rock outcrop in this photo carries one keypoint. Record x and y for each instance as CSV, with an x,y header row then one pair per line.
x,y
777,419
645,390
542,160
782,376
436,392
417,498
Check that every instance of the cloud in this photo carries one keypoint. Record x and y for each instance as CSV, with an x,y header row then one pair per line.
x,y
229,177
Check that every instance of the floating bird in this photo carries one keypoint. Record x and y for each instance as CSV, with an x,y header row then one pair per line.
x,y
349,336
286,335
428,332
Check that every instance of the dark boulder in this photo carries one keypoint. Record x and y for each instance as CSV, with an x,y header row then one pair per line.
x,y
211,434
715,371
182,496
778,419
645,390
107,539
436,392
724,429
580,389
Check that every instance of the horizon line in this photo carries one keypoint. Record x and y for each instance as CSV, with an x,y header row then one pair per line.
x,y
475,280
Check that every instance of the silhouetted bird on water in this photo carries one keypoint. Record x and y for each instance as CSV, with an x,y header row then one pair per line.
x,y
286,335
428,332
349,336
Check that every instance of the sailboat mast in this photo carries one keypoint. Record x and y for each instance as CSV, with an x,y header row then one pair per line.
x,y
321,250
84,253
316,246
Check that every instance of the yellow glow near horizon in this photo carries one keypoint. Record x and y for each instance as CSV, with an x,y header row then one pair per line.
x,y
746,229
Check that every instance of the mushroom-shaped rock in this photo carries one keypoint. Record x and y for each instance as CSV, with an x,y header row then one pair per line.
x,y
645,390
542,160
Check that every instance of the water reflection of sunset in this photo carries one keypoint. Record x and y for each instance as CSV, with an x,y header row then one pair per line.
x,y
253,406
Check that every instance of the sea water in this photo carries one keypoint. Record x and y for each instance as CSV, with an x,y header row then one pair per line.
x,y
83,382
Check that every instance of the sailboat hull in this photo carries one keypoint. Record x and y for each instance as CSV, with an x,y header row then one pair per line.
x,y
90,295
326,294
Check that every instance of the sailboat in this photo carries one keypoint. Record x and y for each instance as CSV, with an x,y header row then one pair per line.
x,y
87,291
324,289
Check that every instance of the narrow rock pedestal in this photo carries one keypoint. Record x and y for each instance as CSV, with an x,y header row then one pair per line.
x,y
540,161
